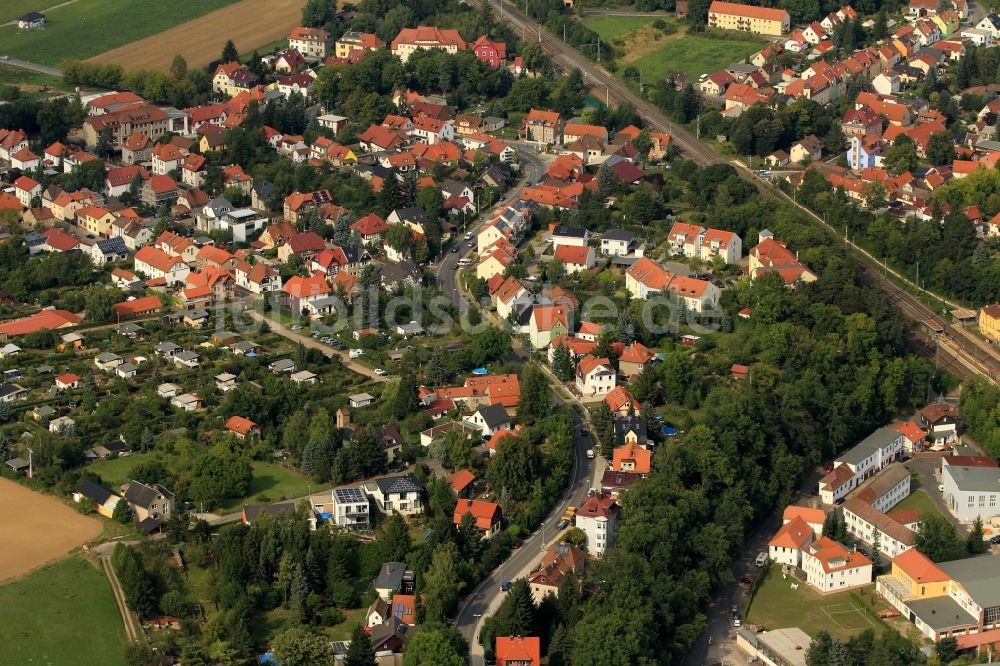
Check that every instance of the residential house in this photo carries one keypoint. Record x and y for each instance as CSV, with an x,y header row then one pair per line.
x,y
307,294
151,504
632,457
598,518
773,256
748,18
542,127
488,419
788,543
621,402
312,43
547,323
940,420
518,651
645,278
104,500
242,428
559,561
621,243
350,507
400,494
574,259
873,526
595,377
487,516
154,263
808,149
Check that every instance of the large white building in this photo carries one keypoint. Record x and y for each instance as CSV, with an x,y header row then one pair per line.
x,y
971,491
692,240
598,518
350,507
870,525
830,567
850,469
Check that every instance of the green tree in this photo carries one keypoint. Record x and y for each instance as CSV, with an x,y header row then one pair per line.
x,y
947,649
179,67
535,395
361,652
229,52
100,305
974,543
937,538
562,363
436,645
123,512
442,583
941,149
395,539
406,400
301,646
902,156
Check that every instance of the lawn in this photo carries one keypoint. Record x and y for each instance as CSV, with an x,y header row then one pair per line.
x,y
694,55
609,27
920,501
88,27
114,471
776,605
17,75
63,613
273,483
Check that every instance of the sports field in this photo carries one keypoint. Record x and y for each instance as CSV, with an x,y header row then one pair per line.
x,y
36,529
249,23
63,613
777,605
89,27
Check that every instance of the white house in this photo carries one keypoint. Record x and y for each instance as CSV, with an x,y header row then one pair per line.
x,y
350,507
575,259
595,377
154,263
885,489
645,278
692,240
830,567
621,243
598,518
399,494
488,419
787,544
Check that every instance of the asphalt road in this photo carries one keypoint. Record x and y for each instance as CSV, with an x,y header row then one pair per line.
x,y
447,272
23,64
327,350
487,596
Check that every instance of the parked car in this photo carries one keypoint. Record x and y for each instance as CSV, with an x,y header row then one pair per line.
x,y
940,487
761,559
381,373
355,353
297,327
504,586
735,610
737,622
590,454
454,249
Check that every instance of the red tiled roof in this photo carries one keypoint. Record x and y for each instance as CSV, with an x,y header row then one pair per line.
x,y
485,513
138,306
240,425
46,320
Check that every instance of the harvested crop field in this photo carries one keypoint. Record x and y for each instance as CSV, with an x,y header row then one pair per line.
x,y
249,24
37,529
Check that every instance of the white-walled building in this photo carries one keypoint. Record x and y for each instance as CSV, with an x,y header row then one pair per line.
x,y
598,518
830,567
869,524
872,454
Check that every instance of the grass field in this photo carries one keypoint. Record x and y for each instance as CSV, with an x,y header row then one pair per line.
x,y
61,614
89,27
249,23
276,483
609,27
273,481
920,501
10,75
777,605
36,529
693,55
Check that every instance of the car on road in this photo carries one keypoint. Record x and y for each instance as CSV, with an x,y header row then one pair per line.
x,y
940,487
562,524
995,540
355,353
737,622
761,559
454,249
590,454
468,236
313,334
381,373
504,586
3,57
735,610
517,544
297,327
470,244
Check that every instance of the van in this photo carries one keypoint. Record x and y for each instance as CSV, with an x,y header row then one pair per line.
x,y
355,353
761,559
590,454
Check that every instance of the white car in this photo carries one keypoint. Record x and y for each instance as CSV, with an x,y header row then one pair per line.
x,y
940,487
355,353
381,373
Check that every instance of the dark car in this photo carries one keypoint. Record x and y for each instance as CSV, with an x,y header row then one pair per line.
x,y
504,586
454,249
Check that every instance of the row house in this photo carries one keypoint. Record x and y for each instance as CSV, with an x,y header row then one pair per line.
x,y
352,41
864,460
144,118
705,244
156,264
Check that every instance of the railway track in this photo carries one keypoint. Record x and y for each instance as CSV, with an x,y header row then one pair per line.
x,y
973,354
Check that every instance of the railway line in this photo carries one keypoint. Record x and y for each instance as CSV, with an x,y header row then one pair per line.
x,y
962,349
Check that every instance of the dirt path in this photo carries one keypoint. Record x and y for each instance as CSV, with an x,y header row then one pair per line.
x,y
250,23
36,529
128,618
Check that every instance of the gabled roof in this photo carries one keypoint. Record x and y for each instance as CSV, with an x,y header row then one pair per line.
x,y
793,534
485,513
240,425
